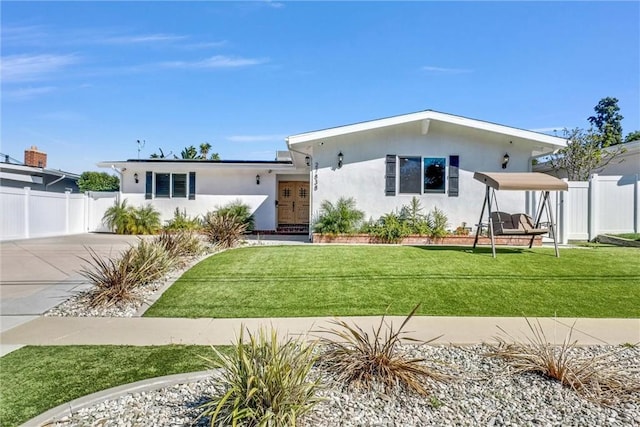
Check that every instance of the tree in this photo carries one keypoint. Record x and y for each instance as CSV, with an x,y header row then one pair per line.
x,y
204,151
189,152
632,136
98,181
607,122
583,154
158,156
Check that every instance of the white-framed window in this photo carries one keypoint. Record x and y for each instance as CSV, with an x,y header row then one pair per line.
x,y
422,175
170,185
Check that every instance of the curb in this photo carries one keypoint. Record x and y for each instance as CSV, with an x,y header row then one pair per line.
x,y
67,409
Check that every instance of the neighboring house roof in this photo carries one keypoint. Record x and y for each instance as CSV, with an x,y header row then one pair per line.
x,y
32,174
553,142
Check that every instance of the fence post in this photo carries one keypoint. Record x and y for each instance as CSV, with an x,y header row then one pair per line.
x,y
27,196
563,217
593,206
66,212
636,204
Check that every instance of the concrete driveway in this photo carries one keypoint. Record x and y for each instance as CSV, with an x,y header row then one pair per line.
x,y
37,274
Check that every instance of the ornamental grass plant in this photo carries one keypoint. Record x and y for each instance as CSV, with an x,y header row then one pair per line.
x,y
598,378
152,258
265,381
356,358
223,229
181,244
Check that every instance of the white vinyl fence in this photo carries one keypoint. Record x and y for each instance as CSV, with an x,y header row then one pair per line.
x,y
604,204
28,213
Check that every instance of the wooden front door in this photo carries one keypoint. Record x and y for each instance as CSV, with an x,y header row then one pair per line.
x,y
293,202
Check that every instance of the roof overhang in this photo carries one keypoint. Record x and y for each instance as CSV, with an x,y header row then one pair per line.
x,y
521,181
553,142
198,164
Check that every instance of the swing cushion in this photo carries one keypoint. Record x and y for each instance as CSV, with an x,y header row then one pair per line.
x,y
516,224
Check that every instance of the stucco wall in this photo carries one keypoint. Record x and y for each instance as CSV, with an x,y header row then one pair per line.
x,y
214,188
362,175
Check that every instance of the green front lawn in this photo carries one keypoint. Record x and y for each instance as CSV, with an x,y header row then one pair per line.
x,y
315,280
35,379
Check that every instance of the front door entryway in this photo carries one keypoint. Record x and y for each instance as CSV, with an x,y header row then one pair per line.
x,y
293,202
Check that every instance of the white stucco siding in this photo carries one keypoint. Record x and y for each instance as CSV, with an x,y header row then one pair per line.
x,y
214,188
362,175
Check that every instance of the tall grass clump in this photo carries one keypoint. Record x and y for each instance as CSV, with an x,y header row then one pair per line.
x,y
181,245
114,279
241,211
354,357
339,218
597,378
153,259
265,381
223,229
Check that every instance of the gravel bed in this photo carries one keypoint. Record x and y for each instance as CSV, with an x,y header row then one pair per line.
x,y
484,393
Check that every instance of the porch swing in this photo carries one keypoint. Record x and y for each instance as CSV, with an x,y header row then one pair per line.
x,y
519,224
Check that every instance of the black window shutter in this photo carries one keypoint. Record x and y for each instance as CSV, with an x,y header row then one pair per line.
x,y
454,175
192,185
390,176
148,194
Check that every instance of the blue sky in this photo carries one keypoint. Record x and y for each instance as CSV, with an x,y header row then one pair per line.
x,y
84,80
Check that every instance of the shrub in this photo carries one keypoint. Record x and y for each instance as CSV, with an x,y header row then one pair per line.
x,y
265,382
341,218
594,378
145,220
124,219
390,228
118,217
411,215
224,230
182,222
241,211
114,279
364,361
181,245
438,222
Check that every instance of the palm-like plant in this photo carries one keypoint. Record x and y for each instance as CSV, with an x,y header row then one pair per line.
x,y
145,220
204,150
341,218
118,217
189,152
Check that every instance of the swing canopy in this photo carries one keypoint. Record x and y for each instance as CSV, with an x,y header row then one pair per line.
x,y
522,181
504,224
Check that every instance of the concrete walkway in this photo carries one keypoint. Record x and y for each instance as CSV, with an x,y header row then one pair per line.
x,y
160,331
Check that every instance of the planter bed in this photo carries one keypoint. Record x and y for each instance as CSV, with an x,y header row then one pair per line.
x,y
425,240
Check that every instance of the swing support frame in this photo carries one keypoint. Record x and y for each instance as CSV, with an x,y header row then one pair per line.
x,y
519,181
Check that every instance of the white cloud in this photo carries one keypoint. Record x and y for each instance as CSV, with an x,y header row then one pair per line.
x,y
145,38
274,4
16,68
255,138
26,93
217,61
444,70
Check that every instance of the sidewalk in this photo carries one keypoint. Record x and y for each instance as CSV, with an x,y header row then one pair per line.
x,y
162,331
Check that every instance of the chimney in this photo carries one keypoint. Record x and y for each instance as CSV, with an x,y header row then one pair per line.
x,y
33,157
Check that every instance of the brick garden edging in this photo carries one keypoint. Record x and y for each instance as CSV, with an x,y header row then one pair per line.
x,y
424,240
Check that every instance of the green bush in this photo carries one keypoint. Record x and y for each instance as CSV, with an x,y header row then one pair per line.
x,y
411,215
265,382
341,218
239,210
124,219
223,229
390,228
438,222
182,222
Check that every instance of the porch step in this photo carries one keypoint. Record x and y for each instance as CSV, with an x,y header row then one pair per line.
x,y
293,229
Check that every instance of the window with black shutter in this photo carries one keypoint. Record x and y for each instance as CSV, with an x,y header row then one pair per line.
x,y
454,175
390,175
192,185
148,192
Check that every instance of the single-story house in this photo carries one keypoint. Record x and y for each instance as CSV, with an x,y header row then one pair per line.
x,y
381,163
